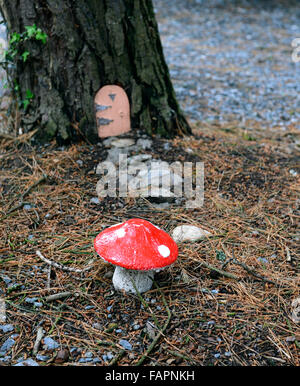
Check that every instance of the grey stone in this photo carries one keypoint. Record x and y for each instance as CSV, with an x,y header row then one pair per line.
x,y
5,359
7,328
6,346
7,280
263,260
95,200
89,307
189,233
38,304
144,143
107,357
50,344
114,154
155,180
27,362
106,142
30,300
97,325
167,146
122,142
162,205
42,358
125,344
85,360
136,159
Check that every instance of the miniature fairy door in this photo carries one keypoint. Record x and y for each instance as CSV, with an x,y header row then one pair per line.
x,y
112,111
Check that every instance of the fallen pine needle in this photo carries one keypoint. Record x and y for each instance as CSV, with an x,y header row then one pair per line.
x,y
160,333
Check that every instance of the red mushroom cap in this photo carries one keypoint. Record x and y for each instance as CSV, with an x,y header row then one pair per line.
x,y
136,244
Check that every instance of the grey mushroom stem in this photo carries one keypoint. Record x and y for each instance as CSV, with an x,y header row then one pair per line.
x,y
123,279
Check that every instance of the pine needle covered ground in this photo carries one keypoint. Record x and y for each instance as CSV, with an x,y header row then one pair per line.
x,y
228,300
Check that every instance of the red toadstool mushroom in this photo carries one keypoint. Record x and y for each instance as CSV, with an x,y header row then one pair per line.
x,y
138,249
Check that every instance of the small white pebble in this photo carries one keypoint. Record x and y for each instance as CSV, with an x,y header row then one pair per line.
x,y
293,173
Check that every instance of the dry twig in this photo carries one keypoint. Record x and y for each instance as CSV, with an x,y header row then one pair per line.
x,y
59,266
39,336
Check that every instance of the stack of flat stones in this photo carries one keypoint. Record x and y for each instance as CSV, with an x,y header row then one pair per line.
x,y
144,173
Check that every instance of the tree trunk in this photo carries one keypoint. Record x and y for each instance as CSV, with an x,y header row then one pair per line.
x,y
91,43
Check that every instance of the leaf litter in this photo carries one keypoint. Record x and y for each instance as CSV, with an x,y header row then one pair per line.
x,y
219,304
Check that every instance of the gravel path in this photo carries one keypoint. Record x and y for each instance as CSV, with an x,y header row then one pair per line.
x,y
230,61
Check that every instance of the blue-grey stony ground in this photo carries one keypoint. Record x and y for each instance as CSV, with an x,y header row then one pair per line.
x,y
231,61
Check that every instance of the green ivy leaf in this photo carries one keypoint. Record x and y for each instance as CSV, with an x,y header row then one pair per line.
x,y
29,95
15,38
25,55
25,103
40,35
17,87
31,30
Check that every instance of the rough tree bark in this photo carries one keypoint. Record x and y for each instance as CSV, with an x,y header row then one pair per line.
x,y
92,43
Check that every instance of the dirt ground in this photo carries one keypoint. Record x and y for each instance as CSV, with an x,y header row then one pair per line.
x,y
228,300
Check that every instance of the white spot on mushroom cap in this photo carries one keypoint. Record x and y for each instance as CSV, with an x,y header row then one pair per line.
x,y
120,232
164,250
